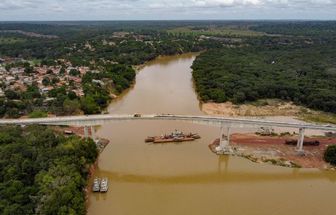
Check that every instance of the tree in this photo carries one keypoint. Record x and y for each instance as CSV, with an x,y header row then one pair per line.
x,y
46,81
43,172
71,106
330,155
72,95
29,69
62,71
10,94
89,106
74,72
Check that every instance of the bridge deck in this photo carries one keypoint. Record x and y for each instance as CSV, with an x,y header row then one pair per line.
x,y
90,120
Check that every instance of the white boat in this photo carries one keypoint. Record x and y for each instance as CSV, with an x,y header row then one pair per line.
x,y
104,185
96,185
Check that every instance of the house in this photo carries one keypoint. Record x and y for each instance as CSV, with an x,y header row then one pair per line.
x,y
27,80
98,82
45,90
2,93
9,80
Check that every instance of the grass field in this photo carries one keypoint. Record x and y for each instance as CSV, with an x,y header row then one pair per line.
x,y
319,118
218,31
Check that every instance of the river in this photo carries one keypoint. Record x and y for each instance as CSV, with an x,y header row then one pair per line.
x,y
187,178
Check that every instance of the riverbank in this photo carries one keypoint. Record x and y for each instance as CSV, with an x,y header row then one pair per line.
x,y
101,144
268,107
273,150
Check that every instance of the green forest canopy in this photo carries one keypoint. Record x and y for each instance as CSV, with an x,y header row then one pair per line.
x,y
306,76
42,172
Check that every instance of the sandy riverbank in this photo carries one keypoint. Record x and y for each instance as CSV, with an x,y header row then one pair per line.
x,y
268,107
273,150
263,108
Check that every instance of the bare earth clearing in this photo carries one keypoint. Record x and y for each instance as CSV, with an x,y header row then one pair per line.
x,y
268,148
273,150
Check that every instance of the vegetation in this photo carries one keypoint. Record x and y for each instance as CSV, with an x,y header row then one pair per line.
x,y
42,172
330,155
10,40
319,117
98,86
244,62
302,75
38,114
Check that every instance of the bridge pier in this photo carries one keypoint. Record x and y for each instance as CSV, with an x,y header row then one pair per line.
x,y
93,133
299,146
224,141
86,132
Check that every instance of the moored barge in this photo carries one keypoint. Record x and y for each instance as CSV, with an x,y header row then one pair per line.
x,y
96,185
104,185
176,136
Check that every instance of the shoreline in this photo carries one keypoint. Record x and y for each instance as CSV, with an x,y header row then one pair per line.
x,y
268,108
262,108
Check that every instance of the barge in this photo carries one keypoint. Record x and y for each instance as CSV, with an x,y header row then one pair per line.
x,y
96,185
104,185
100,185
176,136
305,143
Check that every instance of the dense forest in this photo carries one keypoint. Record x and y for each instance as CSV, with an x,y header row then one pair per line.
x,y
305,76
299,69
42,172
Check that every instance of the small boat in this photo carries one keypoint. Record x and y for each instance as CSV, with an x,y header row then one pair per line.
x,y
104,185
96,185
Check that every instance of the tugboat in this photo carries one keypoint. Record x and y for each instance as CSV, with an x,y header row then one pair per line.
x,y
104,185
96,185
176,136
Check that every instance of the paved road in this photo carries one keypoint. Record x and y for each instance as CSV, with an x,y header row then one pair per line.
x,y
105,118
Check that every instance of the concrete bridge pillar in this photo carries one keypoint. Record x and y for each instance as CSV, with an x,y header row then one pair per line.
x,y
299,146
93,133
225,137
224,140
86,132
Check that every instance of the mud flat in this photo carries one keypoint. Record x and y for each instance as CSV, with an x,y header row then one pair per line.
x,y
273,150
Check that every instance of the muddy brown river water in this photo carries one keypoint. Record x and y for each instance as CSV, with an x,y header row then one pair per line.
x,y
186,178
